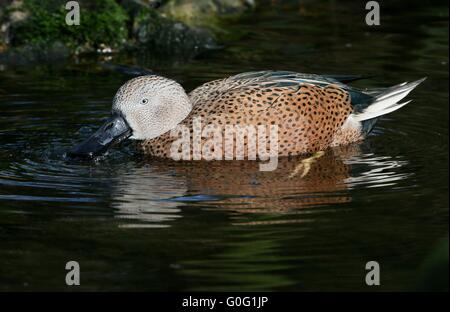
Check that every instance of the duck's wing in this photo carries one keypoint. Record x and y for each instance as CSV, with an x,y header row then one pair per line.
x,y
282,79
286,80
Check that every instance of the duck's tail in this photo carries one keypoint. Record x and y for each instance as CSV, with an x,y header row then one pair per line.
x,y
385,102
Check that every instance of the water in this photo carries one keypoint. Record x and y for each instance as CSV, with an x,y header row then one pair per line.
x,y
139,224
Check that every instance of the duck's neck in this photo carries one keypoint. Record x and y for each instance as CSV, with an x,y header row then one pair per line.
x,y
178,112
185,108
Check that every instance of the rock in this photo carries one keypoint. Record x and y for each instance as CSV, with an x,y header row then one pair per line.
x,y
183,28
205,13
11,13
27,54
163,36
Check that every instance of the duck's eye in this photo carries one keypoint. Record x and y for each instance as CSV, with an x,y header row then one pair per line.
x,y
144,101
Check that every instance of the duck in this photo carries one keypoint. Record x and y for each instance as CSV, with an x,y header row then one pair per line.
x,y
310,113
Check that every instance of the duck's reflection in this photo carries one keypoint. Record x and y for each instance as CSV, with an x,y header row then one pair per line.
x,y
141,195
153,192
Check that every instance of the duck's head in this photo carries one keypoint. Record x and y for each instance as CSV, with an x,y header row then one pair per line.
x,y
143,108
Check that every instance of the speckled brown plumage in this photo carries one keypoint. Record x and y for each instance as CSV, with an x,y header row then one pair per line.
x,y
308,116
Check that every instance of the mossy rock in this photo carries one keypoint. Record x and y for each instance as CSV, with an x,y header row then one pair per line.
x,y
206,13
102,22
163,36
116,25
213,15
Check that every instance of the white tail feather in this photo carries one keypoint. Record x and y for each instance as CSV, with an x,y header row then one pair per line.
x,y
371,115
387,101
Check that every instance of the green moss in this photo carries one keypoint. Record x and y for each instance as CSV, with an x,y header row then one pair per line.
x,y
101,22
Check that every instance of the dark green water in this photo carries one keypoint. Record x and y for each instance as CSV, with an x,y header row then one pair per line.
x,y
138,224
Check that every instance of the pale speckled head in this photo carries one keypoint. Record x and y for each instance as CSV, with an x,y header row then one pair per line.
x,y
151,105
143,108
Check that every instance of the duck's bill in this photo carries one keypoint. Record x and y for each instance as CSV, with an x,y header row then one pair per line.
x,y
112,132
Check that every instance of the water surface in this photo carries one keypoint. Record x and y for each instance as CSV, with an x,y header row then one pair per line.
x,y
144,224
